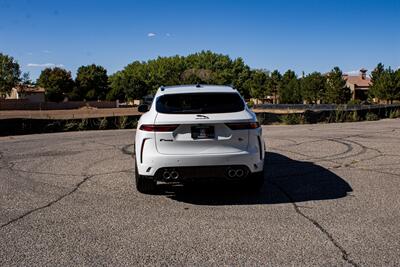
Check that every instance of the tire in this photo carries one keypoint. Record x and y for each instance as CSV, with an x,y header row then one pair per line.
x,y
144,184
256,181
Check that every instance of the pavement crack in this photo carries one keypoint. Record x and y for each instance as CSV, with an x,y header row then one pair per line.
x,y
344,253
124,149
74,189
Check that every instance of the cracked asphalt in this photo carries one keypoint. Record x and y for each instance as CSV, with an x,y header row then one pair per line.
x,y
331,197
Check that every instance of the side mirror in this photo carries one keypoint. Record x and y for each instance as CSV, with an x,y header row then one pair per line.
x,y
143,108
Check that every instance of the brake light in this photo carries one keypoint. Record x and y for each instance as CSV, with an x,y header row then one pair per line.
x,y
159,127
243,125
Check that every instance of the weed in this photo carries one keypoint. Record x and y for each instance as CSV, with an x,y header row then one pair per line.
x,y
103,123
394,114
122,122
371,116
83,125
71,126
292,119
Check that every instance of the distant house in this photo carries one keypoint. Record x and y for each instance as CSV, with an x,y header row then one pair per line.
x,y
29,92
270,99
359,85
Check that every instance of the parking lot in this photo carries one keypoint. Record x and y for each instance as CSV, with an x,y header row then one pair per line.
x,y
331,197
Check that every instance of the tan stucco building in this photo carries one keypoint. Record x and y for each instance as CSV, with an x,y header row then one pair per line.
x,y
359,85
30,92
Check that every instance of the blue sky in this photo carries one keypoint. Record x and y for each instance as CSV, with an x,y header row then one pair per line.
x,y
305,35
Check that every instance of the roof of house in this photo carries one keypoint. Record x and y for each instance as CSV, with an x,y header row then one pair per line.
x,y
29,89
358,80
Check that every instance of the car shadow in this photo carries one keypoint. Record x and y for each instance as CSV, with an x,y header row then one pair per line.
x,y
286,181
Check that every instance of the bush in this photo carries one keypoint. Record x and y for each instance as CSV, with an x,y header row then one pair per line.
x,y
71,126
103,123
353,102
353,116
371,117
292,119
250,104
394,114
122,122
338,115
83,125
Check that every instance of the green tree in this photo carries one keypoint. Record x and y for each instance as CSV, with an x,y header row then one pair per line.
x,y
375,90
274,84
290,92
397,81
116,87
257,84
240,74
377,72
336,90
141,78
313,87
387,85
133,82
91,83
57,82
25,79
9,74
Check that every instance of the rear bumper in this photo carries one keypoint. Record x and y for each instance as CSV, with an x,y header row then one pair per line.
x,y
173,174
152,162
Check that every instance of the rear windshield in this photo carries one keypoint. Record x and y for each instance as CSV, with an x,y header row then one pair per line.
x,y
199,103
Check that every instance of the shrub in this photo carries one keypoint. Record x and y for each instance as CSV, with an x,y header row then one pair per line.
x,y
83,125
250,104
103,123
122,122
340,115
71,126
353,102
371,116
291,119
394,114
353,116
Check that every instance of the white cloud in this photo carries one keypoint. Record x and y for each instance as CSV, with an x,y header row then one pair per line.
x,y
46,51
44,65
151,34
30,53
168,34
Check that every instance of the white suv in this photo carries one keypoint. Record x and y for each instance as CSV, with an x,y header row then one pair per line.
x,y
196,131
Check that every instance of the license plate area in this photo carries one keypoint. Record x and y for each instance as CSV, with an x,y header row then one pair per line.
x,y
203,132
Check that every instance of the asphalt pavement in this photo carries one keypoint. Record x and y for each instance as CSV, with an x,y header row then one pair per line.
x,y
331,197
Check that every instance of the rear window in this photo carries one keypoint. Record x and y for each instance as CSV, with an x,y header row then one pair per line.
x,y
199,103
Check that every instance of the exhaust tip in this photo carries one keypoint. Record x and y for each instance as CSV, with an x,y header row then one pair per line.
x,y
239,173
174,175
236,172
166,175
231,173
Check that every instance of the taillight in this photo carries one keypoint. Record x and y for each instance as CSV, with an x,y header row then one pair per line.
x,y
243,125
158,128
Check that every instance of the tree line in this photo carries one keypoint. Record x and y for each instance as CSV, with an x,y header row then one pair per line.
x,y
140,78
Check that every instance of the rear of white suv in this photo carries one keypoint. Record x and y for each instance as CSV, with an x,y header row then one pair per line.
x,y
198,131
